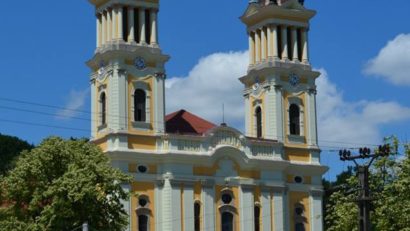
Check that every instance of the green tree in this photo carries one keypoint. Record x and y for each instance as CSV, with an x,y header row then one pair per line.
x,y
10,149
390,188
60,185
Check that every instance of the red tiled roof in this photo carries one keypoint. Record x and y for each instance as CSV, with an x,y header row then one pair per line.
x,y
184,122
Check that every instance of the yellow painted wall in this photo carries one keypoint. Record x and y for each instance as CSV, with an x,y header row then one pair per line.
x,y
142,188
292,154
302,198
142,142
102,143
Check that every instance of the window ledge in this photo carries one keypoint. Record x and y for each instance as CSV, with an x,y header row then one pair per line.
x,y
141,125
296,139
102,127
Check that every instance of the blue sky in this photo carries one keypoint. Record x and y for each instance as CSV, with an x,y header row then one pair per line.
x,y
45,44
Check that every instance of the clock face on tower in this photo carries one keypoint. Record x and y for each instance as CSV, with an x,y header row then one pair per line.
x,y
294,80
140,63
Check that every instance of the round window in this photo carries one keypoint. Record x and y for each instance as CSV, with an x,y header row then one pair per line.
x,y
226,198
142,202
298,179
142,169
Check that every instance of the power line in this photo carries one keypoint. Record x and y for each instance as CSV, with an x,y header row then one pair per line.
x,y
126,124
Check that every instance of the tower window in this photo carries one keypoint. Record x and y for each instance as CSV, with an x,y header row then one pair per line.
x,y
197,216
258,115
257,214
142,223
227,221
103,108
139,105
294,119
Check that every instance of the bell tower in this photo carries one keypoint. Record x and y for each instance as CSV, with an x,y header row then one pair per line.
x,y
127,79
280,88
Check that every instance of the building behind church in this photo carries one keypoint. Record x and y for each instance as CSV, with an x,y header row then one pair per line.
x,y
191,174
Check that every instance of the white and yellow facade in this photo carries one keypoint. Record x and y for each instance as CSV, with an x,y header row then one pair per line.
x,y
269,178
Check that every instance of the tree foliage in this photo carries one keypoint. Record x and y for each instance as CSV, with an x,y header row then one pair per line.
x,y
60,185
10,149
390,189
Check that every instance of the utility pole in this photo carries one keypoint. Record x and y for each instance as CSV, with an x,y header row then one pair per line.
x,y
364,200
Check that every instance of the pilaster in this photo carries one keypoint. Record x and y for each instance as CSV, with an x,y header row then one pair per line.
x,y
246,202
208,195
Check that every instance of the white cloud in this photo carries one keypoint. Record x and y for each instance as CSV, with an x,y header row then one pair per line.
x,y
75,102
214,80
352,122
393,61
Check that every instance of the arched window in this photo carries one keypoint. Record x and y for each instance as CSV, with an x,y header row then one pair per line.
x,y
139,105
142,223
197,216
257,214
103,108
294,119
258,115
227,221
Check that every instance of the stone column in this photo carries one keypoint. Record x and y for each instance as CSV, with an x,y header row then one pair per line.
x,y
99,30
114,24
285,54
131,26
270,41
251,48
305,50
154,32
120,24
264,43
109,26
257,46
104,28
142,26
275,39
295,56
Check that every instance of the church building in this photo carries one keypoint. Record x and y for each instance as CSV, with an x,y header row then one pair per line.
x,y
190,174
